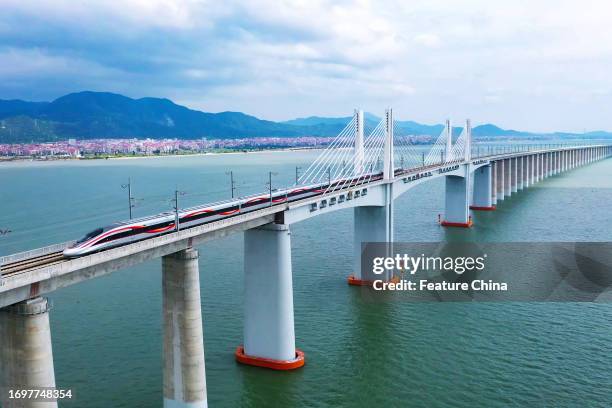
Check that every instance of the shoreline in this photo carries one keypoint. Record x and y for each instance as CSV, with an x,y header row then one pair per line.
x,y
24,159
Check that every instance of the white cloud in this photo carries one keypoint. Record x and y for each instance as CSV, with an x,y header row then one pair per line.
x,y
427,39
492,61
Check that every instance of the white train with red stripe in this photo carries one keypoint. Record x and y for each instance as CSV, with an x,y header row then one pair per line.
x,y
126,232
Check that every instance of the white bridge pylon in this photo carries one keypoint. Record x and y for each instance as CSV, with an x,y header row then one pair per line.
x,y
444,151
353,154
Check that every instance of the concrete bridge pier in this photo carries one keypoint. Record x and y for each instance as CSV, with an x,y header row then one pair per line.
x,y
483,189
529,175
515,173
494,171
507,177
587,155
551,166
499,179
577,158
457,200
183,349
371,224
564,161
26,356
520,181
549,162
269,334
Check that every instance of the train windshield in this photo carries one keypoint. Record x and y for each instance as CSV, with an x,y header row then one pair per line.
x,y
90,235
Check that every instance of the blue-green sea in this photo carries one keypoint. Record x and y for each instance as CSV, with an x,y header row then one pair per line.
x,y
107,332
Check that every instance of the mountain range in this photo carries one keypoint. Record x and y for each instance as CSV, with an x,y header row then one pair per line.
x,y
91,115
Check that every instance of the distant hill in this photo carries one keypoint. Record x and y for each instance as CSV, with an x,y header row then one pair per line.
x,y
492,130
331,126
89,115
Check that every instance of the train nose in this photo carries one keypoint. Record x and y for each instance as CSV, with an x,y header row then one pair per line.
x,y
71,252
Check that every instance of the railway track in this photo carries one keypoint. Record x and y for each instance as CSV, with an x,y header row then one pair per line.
x,y
31,263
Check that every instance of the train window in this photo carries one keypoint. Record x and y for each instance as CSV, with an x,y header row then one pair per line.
x,y
323,204
341,199
364,192
90,235
356,194
349,196
332,201
313,207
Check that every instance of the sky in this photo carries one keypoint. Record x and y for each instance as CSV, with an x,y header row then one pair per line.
x,y
529,65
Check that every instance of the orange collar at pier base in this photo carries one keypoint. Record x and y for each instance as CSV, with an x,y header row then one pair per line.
x,y
478,208
457,224
353,281
270,363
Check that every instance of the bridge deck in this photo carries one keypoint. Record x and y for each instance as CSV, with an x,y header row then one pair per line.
x,y
43,270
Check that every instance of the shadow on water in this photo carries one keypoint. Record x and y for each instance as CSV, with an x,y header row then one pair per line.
x,y
266,388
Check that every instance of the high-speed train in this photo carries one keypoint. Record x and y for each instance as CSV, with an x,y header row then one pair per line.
x,y
126,232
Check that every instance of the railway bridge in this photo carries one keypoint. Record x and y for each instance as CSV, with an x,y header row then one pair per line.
x,y
365,173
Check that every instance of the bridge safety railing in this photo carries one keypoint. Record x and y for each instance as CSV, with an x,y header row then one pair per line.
x,y
33,253
482,149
